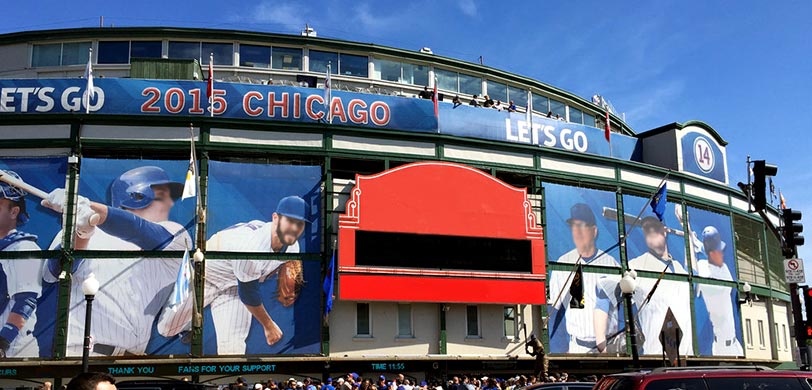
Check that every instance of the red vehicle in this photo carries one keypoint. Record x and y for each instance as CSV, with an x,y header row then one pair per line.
x,y
708,378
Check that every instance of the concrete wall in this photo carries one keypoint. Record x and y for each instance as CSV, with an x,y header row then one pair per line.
x,y
426,326
756,347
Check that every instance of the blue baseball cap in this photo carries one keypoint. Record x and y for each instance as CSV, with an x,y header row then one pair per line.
x,y
581,212
329,380
382,377
712,239
292,207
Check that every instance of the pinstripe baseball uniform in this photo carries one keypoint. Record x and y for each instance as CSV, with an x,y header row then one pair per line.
x,y
131,295
579,322
21,276
232,320
719,301
670,293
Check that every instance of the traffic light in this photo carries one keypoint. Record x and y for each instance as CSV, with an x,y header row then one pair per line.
x,y
808,304
791,231
760,172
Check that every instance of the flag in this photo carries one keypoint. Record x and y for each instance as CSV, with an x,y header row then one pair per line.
x,y
658,202
183,282
783,201
190,184
327,286
529,113
435,99
607,130
328,95
210,85
90,92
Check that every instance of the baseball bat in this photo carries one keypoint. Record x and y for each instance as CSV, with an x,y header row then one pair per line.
x,y
610,213
15,182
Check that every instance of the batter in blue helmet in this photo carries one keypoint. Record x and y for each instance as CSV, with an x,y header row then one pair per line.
x,y
136,219
20,282
232,288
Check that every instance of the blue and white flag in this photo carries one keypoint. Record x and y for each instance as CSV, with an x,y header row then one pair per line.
x,y
658,202
183,283
327,286
89,89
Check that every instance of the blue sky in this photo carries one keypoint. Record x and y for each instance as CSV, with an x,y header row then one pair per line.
x,y
743,67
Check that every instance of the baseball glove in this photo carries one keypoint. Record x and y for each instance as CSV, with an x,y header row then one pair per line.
x,y
290,282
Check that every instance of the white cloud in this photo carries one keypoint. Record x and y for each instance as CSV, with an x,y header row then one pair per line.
x,y
276,13
468,7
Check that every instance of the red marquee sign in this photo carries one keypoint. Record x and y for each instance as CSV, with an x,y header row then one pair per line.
x,y
439,202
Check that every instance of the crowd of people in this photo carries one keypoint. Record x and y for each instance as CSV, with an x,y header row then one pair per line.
x,y
354,381
486,102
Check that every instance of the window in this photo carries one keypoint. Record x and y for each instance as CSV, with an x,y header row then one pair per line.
x,y
541,104
415,74
363,323
405,320
184,50
47,55
510,321
386,70
255,56
777,337
320,59
674,384
784,333
518,95
446,80
754,382
223,53
472,321
589,120
287,58
761,342
146,49
113,52
558,108
749,332
470,85
55,54
576,116
351,65
497,91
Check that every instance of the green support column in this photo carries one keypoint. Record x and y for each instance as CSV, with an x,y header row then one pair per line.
x,y
690,266
443,334
621,227
196,347
329,246
543,334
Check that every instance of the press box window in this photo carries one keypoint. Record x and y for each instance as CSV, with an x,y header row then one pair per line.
x,y
319,59
113,52
146,49
363,324
472,321
287,58
351,65
223,53
55,54
497,91
255,56
406,250
518,95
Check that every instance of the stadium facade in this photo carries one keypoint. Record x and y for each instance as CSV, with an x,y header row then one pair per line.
x,y
449,234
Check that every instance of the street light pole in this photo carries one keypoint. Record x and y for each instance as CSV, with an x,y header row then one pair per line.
x,y
627,286
89,287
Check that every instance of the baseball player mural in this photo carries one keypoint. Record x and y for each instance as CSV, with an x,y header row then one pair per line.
x,y
139,217
577,326
658,247
254,306
712,258
19,278
22,222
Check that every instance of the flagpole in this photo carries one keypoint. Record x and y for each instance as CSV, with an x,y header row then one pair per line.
x,y
211,85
